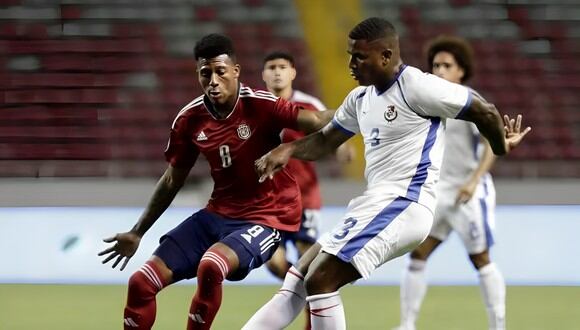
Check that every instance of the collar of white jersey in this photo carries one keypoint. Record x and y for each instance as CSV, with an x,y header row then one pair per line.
x,y
401,69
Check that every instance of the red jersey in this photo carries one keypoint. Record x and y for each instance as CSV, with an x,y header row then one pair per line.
x,y
231,145
304,171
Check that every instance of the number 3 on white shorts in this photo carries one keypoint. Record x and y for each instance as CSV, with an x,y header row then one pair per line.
x,y
348,224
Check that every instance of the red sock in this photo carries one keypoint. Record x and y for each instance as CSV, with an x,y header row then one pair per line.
x,y
141,306
213,269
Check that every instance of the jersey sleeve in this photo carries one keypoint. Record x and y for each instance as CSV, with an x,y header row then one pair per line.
x,y
285,114
431,96
180,151
345,118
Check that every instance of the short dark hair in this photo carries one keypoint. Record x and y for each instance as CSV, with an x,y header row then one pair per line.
x,y
371,29
213,45
277,55
458,47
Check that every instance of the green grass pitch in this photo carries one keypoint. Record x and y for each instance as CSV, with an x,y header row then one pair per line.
x,y
63,307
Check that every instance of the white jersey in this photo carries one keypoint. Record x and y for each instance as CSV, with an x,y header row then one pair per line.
x,y
463,151
403,132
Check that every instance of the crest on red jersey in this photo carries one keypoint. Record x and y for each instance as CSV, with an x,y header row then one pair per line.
x,y
391,113
244,131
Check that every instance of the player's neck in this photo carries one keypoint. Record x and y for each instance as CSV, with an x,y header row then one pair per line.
x,y
390,77
223,110
286,93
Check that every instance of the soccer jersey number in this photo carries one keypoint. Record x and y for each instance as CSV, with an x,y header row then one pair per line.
x,y
348,224
225,155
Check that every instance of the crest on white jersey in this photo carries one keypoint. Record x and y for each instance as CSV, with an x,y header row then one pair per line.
x,y
244,131
391,113
201,136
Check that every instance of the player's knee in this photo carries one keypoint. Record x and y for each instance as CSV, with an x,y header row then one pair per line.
x,y
419,254
143,285
479,260
318,282
212,268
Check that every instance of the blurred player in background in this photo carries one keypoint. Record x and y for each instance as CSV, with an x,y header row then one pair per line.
x,y
238,230
279,73
465,197
398,110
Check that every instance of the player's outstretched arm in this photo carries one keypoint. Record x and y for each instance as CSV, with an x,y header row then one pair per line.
x,y
312,121
125,244
311,147
502,136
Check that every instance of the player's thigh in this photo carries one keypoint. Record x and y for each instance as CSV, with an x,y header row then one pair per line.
x,y
424,250
374,233
441,228
182,247
471,225
327,273
253,244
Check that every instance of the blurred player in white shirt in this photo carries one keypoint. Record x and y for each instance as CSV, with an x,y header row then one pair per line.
x,y
465,197
400,116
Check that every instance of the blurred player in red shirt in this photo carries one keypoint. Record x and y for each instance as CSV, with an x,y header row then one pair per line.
x,y
231,125
279,73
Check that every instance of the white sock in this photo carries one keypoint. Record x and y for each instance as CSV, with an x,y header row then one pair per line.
x,y
493,290
326,311
283,308
413,289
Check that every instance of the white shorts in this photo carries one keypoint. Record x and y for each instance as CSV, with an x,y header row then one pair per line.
x,y
376,229
473,221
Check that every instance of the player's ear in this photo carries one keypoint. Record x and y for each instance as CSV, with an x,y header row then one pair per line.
x,y
293,73
386,56
237,70
461,73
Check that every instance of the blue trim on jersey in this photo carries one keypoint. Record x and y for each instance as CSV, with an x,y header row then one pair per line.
x,y
466,106
361,94
373,228
420,176
476,138
482,201
395,80
336,124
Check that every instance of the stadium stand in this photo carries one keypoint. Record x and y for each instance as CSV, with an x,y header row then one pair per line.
x,y
526,55
89,88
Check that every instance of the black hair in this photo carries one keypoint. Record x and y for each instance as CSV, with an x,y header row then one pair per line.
x,y
371,29
458,47
277,55
213,45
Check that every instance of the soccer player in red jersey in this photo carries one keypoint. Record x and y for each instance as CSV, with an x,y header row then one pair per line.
x,y
279,73
231,125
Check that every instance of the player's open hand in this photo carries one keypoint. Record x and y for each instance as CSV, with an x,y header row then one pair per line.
x,y
513,131
272,162
465,192
125,246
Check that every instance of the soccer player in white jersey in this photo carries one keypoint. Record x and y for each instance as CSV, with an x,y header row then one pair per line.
x,y
465,197
400,117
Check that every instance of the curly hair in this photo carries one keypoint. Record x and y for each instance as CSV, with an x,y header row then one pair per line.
x,y
458,47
